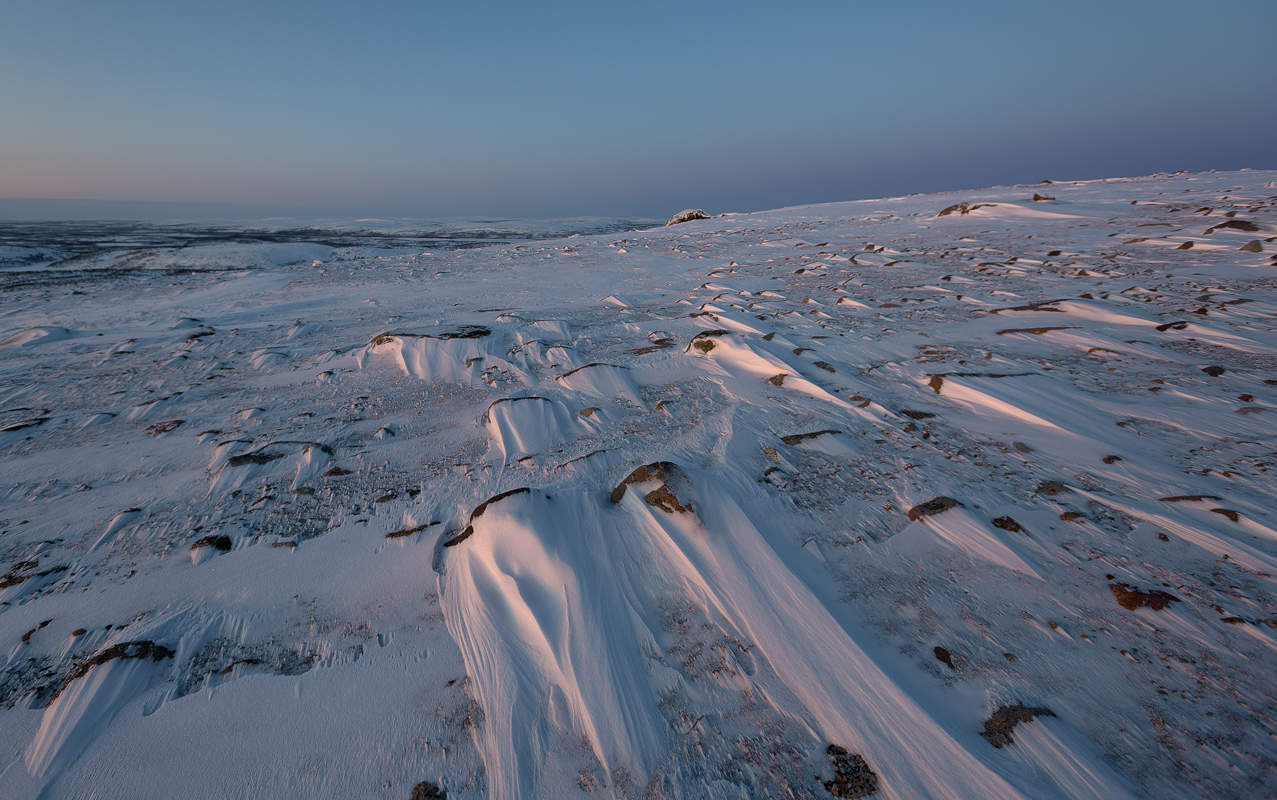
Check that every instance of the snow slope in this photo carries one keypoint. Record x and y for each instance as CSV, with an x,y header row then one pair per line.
x,y
844,500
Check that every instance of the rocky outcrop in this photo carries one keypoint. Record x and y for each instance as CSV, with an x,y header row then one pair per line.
x,y
687,215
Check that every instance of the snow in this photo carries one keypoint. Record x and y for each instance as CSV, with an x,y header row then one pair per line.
x,y
433,575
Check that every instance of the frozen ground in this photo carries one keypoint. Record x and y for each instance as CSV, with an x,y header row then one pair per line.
x,y
838,500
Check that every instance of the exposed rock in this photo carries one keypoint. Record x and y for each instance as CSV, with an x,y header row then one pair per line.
x,y
1214,371
256,457
1041,198
402,532
164,427
944,657
1051,488
912,414
478,512
1185,246
933,506
704,341
219,542
1131,598
140,649
1253,246
1234,224
961,208
998,727
23,571
1007,524
663,497
687,215
1036,331
428,790
852,775
460,332
798,438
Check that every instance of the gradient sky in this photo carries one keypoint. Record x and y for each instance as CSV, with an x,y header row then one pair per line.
x,y
608,108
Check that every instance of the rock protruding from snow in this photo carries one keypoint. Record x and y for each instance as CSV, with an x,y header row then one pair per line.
x,y
687,215
662,473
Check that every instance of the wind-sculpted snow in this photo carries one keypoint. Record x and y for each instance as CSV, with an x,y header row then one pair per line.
x,y
960,495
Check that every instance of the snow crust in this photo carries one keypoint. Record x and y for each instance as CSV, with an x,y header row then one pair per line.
x,y
678,513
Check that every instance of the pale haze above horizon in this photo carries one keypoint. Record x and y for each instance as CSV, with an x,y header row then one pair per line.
x,y
560,109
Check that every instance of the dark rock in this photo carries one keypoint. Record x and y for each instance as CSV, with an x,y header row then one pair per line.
x,y
1131,598
140,649
798,438
1036,331
912,414
944,657
704,341
1234,224
478,512
164,427
687,215
933,506
998,727
402,532
218,542
1007,524
428,790
257,457
852,775
961,208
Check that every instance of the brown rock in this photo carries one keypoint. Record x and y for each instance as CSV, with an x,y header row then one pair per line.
x,y
935,505
998,727
1131,598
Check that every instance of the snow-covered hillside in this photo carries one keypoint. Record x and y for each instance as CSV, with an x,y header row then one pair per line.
x,y
859,499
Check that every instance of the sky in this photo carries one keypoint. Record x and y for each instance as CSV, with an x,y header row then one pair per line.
x,y
602,108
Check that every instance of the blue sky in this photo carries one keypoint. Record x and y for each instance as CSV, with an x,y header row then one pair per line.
x,y
546,109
